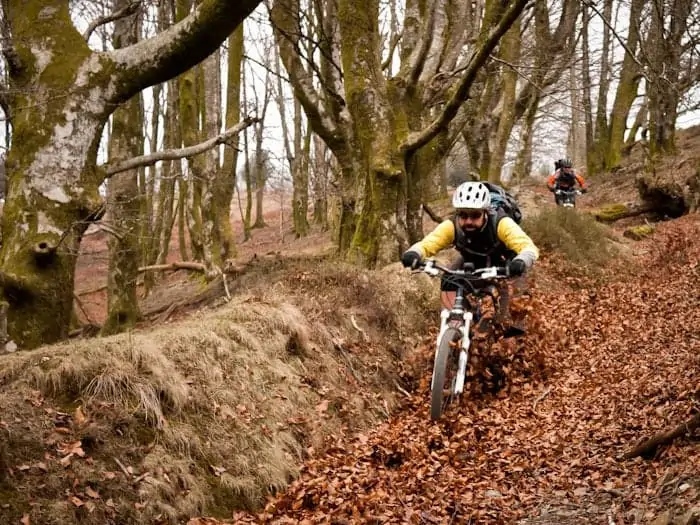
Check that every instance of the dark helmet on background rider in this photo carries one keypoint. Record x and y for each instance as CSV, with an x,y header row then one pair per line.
x,y
557,164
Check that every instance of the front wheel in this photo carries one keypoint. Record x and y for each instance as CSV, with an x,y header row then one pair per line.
x,y
444,372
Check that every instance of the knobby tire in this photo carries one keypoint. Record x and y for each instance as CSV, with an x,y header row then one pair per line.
x,y
445,367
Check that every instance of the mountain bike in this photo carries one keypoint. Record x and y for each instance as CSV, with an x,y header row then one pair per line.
x,y
567,198
456,327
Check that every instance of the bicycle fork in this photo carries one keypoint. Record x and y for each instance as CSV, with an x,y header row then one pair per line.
x,y
463,352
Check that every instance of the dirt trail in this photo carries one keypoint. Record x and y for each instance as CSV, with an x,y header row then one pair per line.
x,y
600,369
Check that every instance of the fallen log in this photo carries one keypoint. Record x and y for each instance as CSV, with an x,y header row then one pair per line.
x,y
615,212
647,446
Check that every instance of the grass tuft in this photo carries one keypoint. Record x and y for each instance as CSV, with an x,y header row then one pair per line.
x,y
575,235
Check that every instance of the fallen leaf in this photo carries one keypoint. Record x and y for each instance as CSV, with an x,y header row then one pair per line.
x,y
75,500
92,493
25,520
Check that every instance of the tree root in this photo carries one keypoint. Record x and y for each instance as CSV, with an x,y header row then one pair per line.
x,y
649,445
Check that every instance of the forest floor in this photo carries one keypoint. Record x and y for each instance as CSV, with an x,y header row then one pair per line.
x,y
314,383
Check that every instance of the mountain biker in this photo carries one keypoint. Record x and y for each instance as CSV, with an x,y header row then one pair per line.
x,y
483,237
564,178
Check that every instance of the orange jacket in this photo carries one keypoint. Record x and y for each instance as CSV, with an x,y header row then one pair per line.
x,y
554,177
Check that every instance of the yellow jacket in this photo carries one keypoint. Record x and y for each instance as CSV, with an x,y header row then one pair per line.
x,y
509,233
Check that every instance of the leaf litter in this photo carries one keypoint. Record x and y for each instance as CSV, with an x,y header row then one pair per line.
x,y
601,368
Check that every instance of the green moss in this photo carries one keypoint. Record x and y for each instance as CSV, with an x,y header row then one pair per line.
x,y
611,212
638,233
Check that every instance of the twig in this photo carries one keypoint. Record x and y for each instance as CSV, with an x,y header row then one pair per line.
x,y
401,389
226,290
125,11
541,397
346,358
355,325
121,466
82,308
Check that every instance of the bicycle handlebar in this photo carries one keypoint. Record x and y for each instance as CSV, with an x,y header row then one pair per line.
x,y
561,192
482,274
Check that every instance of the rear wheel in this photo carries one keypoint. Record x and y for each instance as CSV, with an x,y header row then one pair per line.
x,y
444,372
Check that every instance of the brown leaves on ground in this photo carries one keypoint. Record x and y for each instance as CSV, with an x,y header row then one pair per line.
x,y
601,368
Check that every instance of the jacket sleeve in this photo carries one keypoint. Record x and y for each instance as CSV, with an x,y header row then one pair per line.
x,y
581,180
552,180
441,237
518,241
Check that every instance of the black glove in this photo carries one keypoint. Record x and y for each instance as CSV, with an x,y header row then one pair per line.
x,y
551,189
584,190
410,259
516,267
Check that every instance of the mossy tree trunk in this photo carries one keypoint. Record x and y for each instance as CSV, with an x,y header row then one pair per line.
x,y
171,174
211,178
321,174
123,198
627,89
300,175
663,53
226,179
509,51
379,128
61,95
598,148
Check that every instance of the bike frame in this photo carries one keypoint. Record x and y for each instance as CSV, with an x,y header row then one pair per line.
x,y
460,318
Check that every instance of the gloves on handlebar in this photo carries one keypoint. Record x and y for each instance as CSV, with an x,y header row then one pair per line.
x,y
516,267
411,259
584,190
551,188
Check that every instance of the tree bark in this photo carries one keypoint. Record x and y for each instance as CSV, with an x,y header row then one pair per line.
x,y
627,88
124,200
62,94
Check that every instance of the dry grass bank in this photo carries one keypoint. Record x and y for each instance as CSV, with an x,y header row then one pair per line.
x,y
210,414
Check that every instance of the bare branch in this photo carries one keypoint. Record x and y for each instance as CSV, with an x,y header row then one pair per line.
x,y
124,12
175,154
618,37
461,93
392,48
282,15
178,48
178,265
422,54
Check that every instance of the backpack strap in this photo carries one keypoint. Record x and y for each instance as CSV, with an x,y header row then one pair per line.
x,y
492,242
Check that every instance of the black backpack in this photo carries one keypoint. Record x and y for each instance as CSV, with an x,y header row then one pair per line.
x,y
501,199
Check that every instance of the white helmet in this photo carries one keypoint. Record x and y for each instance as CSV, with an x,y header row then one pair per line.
x,y
472,196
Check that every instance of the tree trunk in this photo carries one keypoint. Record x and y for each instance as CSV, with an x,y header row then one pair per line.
x,y
170,174
599,146
664,55
211,181
321,173
510,52
226,181
124,201
300,176
53,177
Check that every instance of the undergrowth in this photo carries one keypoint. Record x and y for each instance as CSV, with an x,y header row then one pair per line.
x,y
575,235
